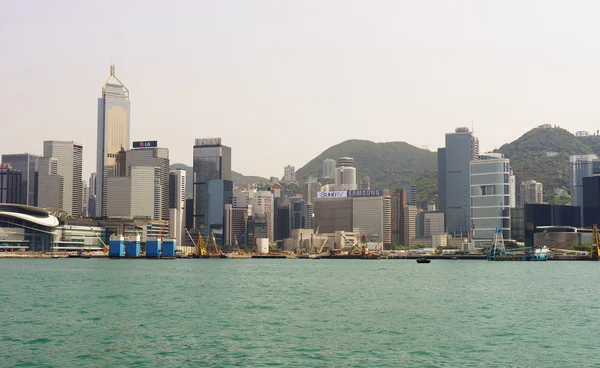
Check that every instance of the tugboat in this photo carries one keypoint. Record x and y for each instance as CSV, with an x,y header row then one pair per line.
x,y
423,260
498,251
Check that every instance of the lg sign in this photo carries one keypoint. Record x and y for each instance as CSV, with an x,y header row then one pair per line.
x,y
145,144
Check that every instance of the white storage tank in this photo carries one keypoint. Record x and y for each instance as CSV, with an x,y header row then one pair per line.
x,y
262,245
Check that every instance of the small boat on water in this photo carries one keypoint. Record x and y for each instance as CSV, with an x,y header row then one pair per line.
x,y
423,260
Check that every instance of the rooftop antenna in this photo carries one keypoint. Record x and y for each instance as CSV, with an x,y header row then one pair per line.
x,y
112,57
473,126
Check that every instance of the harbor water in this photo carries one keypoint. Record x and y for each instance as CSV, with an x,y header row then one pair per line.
x,y
298,313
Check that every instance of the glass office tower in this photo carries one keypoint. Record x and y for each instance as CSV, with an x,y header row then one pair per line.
x,y
490,198
454,175
113,134
212,161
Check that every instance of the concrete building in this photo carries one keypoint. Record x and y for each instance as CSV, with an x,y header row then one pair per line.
x,y
85,195
262,203
177,182
69,158
368,219
212,161
113,134
289,174
490,198
25,162
158,158
328,168
398,200
333,214
50,184
345,174
410,224
301,214
387,220
581,167
411,192
11,184
236,220
311,188
454,198
531,192
133,196
433,223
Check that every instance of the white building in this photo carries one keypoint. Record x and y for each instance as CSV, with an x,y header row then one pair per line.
x,y
262,204
177,180
410,223
345,174
289,174
490,198
371,217
159,158
531,192
433,223
69,159
132,196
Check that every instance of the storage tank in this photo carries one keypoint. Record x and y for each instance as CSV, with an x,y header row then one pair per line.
x,y
116,246
168,248
132,247
262,245
153,247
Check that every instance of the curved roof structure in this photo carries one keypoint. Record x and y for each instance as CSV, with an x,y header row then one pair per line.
x,y
36,215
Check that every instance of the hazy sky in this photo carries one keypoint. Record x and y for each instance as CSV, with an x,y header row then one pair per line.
x,y
281,81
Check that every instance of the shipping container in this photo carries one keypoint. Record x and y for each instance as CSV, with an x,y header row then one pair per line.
x,y
132,248
153,248
168,248
116,246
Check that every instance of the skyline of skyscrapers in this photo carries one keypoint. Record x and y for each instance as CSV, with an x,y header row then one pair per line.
x,y
113,134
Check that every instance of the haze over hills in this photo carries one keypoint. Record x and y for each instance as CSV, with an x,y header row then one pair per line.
x,y
541,154
386,164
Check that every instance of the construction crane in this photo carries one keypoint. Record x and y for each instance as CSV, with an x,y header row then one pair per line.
x,y
217,250
595,243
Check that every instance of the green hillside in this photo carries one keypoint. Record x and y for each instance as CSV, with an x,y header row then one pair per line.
x,y
387,164
542,154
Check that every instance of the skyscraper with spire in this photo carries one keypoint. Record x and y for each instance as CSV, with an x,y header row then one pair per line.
x,y
113,133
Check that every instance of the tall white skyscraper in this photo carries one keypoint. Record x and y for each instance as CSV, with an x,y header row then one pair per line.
x,y
177,181
69,158
113,134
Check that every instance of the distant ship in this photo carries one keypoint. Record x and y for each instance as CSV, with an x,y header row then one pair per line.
x,y
498,251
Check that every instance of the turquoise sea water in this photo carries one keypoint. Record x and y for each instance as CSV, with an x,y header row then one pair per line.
x,y
298,313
